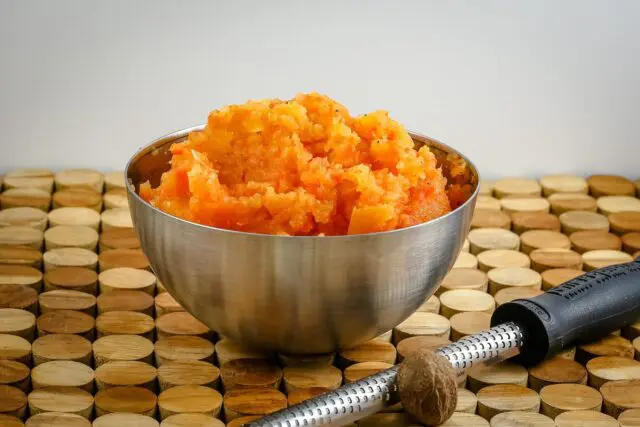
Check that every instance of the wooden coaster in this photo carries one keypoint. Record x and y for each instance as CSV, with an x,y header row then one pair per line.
x,y
62,373
507,277
116,218
250,373
521,418
610,185
30,178
77,197
189,399
15,374
127,278
125,323
559,398
625,222
527,221
127,258
464,278
516,187
543,239
256,401
24,217
305,377
585,418
287,360
24,257
459,419
487,202
585,241
113,348
119,238
629,418
610,368
556,370
358,371
563,183
114,180
509,294
71,236
70,257
583,221
13,347
371,351
123,419
79,178
423,323
409,345
71,278
62,299
619,396
468,323
18,322
11,421
20,275
480,376
512,205
191,420
83,217
136,400
466,260
126,373
603,258
567,202
497,258
611,345
180,323
608,205
71,400
26,197
483,239
548,258
184,348
125,300
462,300
57,419
115,199
18,296
495,399
490,218
53,347
557,276
431,305
467,401
165,303
188,372
21,236
13,401
631,243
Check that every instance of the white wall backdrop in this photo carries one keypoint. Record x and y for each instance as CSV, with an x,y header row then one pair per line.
x,y
522,87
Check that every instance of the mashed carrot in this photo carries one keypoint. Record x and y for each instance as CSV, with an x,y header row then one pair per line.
x,y
301,167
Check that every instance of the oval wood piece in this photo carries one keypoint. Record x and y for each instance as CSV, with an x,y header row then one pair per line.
x,y
464,278
61,399
620,395
24,217
125,300
119,238
521,419
412,344
603,258
18,322
62,347
21,236
610,368
66,322
423,323
302,394
75,216
22,257
567,202
127,278
13,401
136,400
10,421
584,241
57,419
189,399
527,221
13,347
15,374
490,218
625,222
79,178
548,258
115,199
557,276
543,239
610,185
585,418
188,372
483,239
559,398
630,417
466,260
611,345
18,296
563,183
375,350
125,322
180,323
556,370
487,202
516,187
122,348
71,236
358,371
243,402
30,178
495,399
463,300
20,275
608,205
506,372
509,294
459,419
468,323
184,348
497,258
467,401
512,205
63,299
77,197
507,277
165,303
63,373
116,218
191,420
124,419
631,243
297,377
70,257
126,373
228,350
323,359
71,278
486,187
128,258
250,373
26,197
431,305
582,221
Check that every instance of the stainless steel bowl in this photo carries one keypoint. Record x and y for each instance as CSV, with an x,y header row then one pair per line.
x,y
296,295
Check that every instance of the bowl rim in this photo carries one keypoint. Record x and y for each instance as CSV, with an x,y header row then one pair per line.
x,y
173,136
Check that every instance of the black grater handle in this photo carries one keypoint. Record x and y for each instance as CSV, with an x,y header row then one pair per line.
x,y
581,310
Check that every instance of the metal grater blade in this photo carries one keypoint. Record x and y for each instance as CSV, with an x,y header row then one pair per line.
x,y
369,395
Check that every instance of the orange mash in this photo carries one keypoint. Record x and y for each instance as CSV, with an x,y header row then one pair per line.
x,y
301,167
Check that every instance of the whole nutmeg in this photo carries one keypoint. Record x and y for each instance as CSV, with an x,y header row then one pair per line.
x,y
427,387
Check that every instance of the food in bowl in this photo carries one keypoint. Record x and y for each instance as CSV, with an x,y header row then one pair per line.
x,y
303,167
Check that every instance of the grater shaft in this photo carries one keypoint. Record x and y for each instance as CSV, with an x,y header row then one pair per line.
x,y
371,394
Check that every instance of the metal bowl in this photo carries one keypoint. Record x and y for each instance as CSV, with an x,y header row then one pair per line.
x,y
296,295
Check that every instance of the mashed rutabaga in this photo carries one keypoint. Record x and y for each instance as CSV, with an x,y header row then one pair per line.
x,y
301,167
